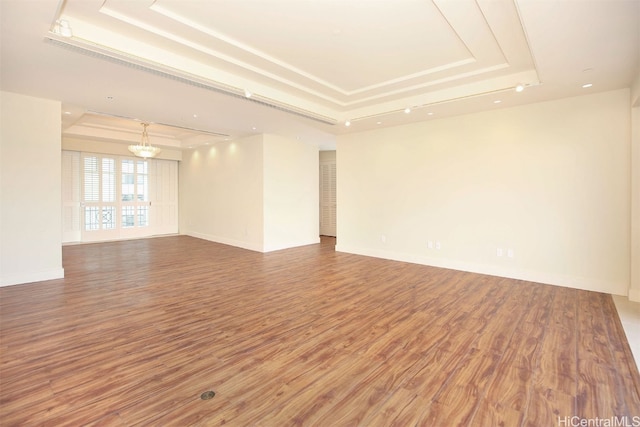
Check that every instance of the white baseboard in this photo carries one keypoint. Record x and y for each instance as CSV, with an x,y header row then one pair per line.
x,y
583,283
226,241
32,276
634,295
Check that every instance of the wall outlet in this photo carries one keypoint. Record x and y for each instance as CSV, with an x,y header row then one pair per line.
x,y
499,252
430,244
383,238
438,245
510,253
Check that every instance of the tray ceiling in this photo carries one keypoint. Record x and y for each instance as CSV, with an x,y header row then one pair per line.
x,y
202,71
334,59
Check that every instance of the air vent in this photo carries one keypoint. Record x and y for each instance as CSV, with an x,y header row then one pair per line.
x,y
120,58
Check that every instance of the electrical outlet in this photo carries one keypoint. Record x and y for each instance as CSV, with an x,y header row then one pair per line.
x,y
438,245
430,244
499,252
510,253
383,238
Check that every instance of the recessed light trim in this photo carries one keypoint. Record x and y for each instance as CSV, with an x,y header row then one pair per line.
x,y
587,85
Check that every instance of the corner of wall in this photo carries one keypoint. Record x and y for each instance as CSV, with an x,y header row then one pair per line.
x,y
635,91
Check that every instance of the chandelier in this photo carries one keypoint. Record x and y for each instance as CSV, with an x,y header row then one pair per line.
x,y
144,149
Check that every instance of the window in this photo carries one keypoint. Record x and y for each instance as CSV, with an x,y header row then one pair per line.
x,y
110,197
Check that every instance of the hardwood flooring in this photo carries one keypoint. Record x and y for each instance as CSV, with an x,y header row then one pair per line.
x,y
138,330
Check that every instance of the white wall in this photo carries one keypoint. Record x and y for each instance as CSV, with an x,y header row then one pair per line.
x,y
291,193
221,192
30,182
634,288
258,193
550,181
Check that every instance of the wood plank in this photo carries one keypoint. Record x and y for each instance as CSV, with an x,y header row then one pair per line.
x,y
137,330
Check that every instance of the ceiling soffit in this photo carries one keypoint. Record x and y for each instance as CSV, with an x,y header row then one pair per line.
x,y
103,127
330,59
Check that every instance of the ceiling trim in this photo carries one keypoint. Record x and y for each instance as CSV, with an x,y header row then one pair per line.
x,y
96,51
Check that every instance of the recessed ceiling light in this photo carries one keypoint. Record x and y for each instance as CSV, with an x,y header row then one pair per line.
x,y
378,123
67,113
497,101
347,123
519,88
195,116
247,93
407,110
587,85
430,113
253,127
63,28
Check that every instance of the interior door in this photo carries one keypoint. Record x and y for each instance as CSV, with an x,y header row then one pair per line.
x,y
328,198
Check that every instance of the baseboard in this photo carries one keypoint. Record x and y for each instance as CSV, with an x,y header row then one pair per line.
x,y
226,241
634,295
290,245
582,283
37,276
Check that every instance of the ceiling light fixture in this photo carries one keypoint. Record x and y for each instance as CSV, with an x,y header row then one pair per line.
x,y
497,101
347,123
63,28
587,85
144,149
407,110
247,93
519,88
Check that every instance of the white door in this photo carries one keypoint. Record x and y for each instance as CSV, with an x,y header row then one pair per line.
x,y
328,198
71,197
135,205
108,197
99,206
163,187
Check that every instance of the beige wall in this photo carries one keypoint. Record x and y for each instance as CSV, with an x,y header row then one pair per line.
x,y
221,191
634,288
291,194
548,181
30,182
258,193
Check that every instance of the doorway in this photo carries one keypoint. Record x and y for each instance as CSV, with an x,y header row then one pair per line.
x,y
328,200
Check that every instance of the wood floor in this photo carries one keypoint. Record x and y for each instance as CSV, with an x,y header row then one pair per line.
x,y
138,330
